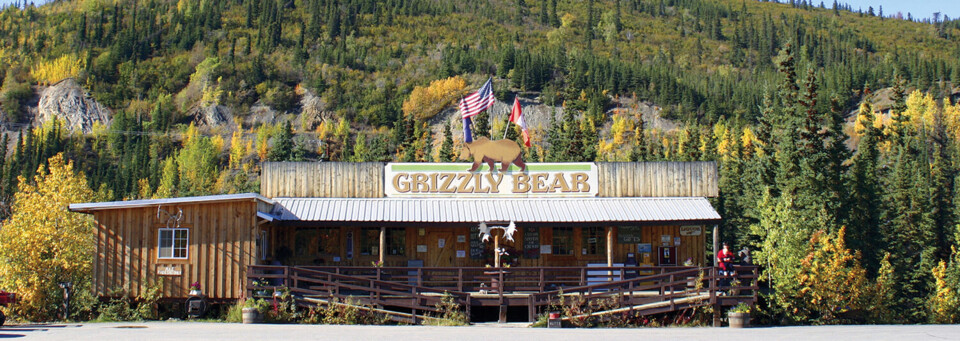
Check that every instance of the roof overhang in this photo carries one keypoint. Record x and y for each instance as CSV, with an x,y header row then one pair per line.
x,y
207,199
470,211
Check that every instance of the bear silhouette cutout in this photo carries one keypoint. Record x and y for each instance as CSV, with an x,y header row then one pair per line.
x,y
484,150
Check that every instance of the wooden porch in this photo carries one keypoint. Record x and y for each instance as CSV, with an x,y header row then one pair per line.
x,y
410,294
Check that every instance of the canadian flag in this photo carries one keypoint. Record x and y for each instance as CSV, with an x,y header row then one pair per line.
x,y
516,116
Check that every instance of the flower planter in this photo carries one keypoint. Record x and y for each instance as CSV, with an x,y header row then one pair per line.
x,y
252,315
739,320
195,292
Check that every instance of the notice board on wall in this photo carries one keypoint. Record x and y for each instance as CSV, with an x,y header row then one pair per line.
x,y
628,234
531,242
476,247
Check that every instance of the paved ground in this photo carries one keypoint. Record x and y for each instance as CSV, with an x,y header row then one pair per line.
x,y
180,331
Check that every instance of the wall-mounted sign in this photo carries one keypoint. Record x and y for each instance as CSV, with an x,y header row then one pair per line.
x,y
461,254
421,248
454,180
546,249
644,248
461,239
441,243
676,241
690,230
476,249
531,242
628,234
169,270
665,239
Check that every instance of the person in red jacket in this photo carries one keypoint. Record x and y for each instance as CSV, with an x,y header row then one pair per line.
x,y
725,258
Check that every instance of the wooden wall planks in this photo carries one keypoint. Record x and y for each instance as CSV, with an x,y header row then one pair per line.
x,y
221,241
658,179
365,179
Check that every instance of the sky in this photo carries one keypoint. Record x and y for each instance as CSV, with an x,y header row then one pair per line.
x,y
919,8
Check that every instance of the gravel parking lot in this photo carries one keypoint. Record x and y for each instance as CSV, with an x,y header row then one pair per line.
x,y
180,331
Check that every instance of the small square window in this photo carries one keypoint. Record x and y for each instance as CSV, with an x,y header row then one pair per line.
x,y
172,243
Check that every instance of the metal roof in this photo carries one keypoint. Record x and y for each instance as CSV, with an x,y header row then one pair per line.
x,y
169,201
463,210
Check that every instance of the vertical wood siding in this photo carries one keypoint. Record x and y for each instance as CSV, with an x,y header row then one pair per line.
x,y
322,179
658,179
365,179
221,245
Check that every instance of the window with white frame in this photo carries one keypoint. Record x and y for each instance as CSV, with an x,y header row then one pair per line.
x,y
172,243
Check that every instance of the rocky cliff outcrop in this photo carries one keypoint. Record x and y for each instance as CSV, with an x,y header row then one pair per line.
x,y
72,105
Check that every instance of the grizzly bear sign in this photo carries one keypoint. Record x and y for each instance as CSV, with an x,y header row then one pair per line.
x,y
484,150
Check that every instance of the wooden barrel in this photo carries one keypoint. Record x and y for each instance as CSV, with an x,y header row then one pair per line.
x,y
739,320
252,315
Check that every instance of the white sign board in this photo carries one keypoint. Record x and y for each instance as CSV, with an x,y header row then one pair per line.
x,y
690,230
169,270
454,180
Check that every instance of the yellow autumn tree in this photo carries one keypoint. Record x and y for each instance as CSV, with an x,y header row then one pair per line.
x,y
425,102
831,281
951,117
750,143
43,243
51,71
263,140
238,149
944,301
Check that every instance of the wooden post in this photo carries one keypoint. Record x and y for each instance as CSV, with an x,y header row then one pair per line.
x,y
383,245
609,245
496,250
716,243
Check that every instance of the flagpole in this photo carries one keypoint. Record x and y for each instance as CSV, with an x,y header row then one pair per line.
x,y
505,128
508,121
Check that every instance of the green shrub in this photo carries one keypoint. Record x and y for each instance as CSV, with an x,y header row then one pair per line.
x,y
122,308
235,312
450,314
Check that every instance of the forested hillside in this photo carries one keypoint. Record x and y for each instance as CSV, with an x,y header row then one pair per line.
x,y
199,92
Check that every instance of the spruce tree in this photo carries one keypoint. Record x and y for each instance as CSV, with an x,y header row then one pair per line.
x,y
865,190
481,125
446,148
282,144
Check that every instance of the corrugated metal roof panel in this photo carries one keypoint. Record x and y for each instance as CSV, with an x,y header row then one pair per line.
x,y
446,210
86,207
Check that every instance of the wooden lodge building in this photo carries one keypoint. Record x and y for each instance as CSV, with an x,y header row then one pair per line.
x,y
422,221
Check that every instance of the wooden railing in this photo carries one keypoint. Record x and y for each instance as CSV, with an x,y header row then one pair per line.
x,y
674,290
324,285
474,279
420,289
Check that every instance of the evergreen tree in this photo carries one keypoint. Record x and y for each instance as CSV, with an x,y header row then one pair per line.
x,y
554,19
446,148
282,144
481,125
866,192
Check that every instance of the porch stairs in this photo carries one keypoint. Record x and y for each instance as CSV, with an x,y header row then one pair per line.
x,y
402,300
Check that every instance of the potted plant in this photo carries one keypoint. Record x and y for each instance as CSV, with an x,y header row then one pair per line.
x,y
261,290
739,316
195,289
253,310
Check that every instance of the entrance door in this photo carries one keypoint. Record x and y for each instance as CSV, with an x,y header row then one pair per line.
x,y
440,248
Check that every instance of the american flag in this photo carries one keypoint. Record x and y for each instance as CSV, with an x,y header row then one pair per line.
x,y
478,101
